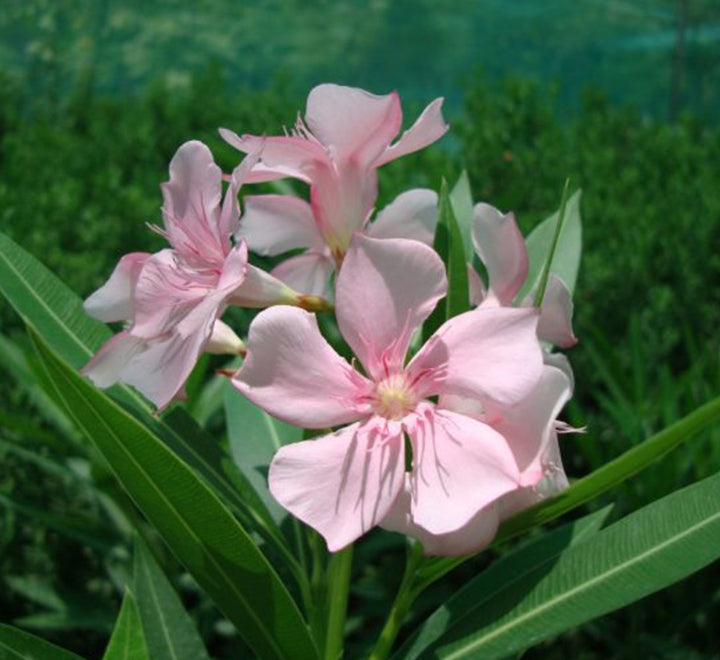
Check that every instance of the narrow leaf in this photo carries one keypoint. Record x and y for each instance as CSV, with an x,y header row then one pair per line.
x,y
646,551
449,245
16,644
127,641
254,438
169,630
507,569
192,520
462,204
566,261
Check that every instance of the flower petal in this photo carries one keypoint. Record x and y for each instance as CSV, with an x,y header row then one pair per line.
x,y
191,209
106,366
476,534
261,289
501,248
307,273
273,224
412,214
460,466
341,484
353,123
281,156
295,375
385,290
113,301
491,354
556,312
529,426
429,127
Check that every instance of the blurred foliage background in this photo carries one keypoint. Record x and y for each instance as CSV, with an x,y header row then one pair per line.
x,y
621,96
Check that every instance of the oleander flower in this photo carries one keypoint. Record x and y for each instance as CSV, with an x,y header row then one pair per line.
x,y
172,301
501,247
273,224
530,429
345,138
344,483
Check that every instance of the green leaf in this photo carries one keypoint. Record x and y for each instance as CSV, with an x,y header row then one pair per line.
x,y
16,644
254,438
169,630
507,569
82,528
644,552
127,641
566,260
56,314
449,245
47,305
193,521
462,204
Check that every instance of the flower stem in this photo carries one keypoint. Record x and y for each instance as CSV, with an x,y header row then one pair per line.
x,y
403,601
338,586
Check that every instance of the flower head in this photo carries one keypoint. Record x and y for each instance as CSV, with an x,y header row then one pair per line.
x,y
344,483
346,135
172,300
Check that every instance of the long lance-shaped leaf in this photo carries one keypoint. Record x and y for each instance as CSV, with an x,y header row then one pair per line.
x,y
16,644
644,552
56,314
566,259
507,569
193,521
462,203
169,630
601,480
449,245
127,641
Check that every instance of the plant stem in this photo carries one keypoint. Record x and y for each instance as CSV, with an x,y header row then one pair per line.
x,y
338,586
403,601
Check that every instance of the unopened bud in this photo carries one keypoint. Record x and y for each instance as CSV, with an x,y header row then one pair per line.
x,y
224,341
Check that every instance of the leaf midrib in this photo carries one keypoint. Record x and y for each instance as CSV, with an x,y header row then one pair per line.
x,y
580,588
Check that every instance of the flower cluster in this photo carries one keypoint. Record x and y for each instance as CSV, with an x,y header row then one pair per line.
x,y
440,442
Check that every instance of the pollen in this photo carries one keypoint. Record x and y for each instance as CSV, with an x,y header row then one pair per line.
x,y
394,398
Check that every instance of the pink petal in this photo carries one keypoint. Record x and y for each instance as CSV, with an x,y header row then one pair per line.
x,y
492,354
228,224
478,292
295,375
279,156
476,534
342,484
555,324
307,273
164,294
353,123
106,366
528,426
273,224
385,290
113,300
413,214
191,208
429,127
460,466
501,248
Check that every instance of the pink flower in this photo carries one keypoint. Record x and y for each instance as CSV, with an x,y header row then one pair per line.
x,y
273,224
173,300
346,136
344,483
531,431
501,248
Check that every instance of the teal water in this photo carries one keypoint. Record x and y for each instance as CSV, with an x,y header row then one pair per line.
x,y
423,48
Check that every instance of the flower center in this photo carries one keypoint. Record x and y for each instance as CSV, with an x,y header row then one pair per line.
x,y
394,398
